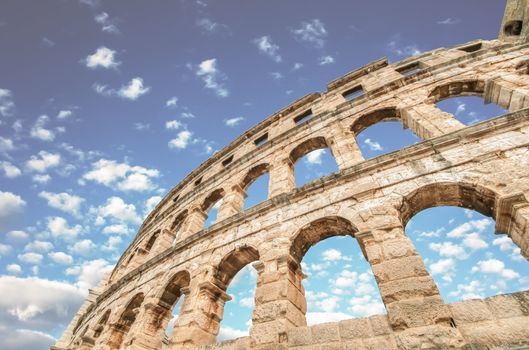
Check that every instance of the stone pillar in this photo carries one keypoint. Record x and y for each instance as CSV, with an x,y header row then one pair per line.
x,y
344,147
515,21
194,222
199,320
427,121
151,329
164,241
510,91
232,204
282,178
279,302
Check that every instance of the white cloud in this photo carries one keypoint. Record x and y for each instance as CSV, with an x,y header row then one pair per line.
x,y
107,24
171,102
461,107
103,57
63,201
61,258
90,273
10,170
6,145
247,302
266,46
227,332
465,228
120,229
59,228
314,157
232,122
474,241
30,258
312,32
495,266
504,242
435,233
38,131
373,145
324,60
10,204
17,235
14,269
209,26
39,246
84,247
64,114
470,290
187,115
173,125
142,126
333,255
346,279
151,203
297,66
43,161
442,266
134,89
41,178
4,249
6,103
276,75
212,77
314,318
366,306
116,209
122,176
112,244
448,21
396,47
449,249
182,140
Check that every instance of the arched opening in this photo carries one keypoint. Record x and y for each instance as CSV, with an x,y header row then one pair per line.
x,y
211,206
255,185
237,277
311,160
381,131
340,284
453,229
464,100
150,242
162,316
176,226
127,318
101,324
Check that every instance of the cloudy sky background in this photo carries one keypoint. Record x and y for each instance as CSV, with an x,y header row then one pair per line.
x,y
104,106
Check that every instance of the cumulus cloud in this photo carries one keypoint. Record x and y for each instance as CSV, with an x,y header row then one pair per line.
x,y
119,229
173,125
10,170
64,114
17,235
134,89
41,178
43,161
267,47
6,103
59,228
212,77
63,201
227,332
232,122
90,273
495,266
324,60
38,246
449,249
14,269
208,26
396,47
365,306
151,203
182,140
112,244
312,32
83,247
122,176
171,102
31,258
117,210
373,145
315,156
474,241
463,229
10,204
107,24
334,255
38,131
103,57
6,145
442,266
61,258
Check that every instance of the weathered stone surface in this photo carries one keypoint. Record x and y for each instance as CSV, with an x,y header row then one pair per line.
x,y
483,167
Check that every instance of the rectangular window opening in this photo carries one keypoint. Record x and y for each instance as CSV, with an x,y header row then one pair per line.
x,y
353,93
261,140
198,181
409,69
471,48
227,161
304,117
176,198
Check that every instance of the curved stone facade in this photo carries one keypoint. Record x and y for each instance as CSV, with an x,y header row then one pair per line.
x,y
484,167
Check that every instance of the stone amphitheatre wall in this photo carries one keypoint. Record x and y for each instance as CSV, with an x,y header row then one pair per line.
x,y
484,167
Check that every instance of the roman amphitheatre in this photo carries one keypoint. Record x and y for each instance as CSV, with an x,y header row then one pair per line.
x,y
483,167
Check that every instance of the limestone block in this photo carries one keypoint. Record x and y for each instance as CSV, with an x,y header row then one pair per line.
x,y
380,342
470,311
398,248
429,337
417,312
299,336
356,344
411,266
355,328
380,325
408,288
325,333
504,306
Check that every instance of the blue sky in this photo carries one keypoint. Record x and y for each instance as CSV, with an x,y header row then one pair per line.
x,y
106,105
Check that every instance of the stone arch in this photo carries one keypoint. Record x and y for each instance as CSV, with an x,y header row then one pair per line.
x,y
211,199
125,321
307,146
253,174
176,224
98,329
463,87
150,243
371,118
233,262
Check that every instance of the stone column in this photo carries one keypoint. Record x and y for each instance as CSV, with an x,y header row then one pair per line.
x,y
199,320
344,147
232,204
194,222
427,121
164,241
282,178
279,302
510,91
